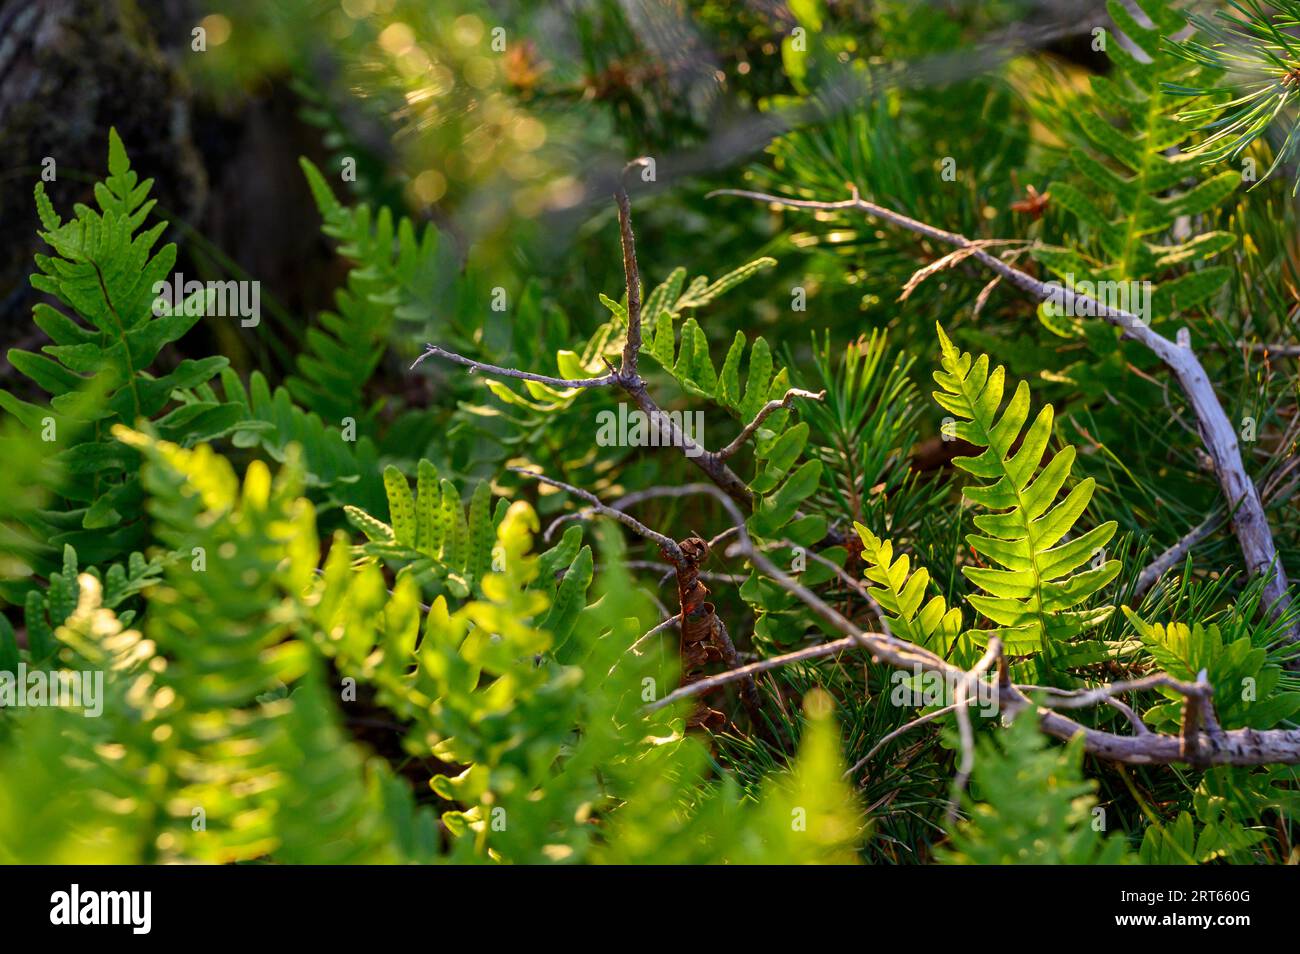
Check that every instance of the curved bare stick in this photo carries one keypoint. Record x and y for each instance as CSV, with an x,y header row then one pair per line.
x,y
1233,747
1220,438
991,655
766,411
667,543
709,683
901,730
433,351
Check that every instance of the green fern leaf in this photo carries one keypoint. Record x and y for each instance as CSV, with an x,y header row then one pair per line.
x,y
1034,597
901,593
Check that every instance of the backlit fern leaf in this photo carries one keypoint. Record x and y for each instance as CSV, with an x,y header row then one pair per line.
x,y
46,611
900,593
266,765
1035,596
431,536
690,363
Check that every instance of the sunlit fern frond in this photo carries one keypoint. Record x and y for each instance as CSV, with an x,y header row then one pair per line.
x,y
1037,595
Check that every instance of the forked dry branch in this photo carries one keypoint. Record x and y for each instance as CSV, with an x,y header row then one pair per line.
x,y
1250,525
1201,741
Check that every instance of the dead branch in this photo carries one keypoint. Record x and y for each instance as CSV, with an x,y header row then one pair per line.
x,y
1249,523
902,729
632,346
666,543
766,411
1175,554
709,683
964,730
1213,746
433,351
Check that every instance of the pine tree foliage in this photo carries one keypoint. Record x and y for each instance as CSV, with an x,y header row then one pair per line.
x,y
1254,45
865,431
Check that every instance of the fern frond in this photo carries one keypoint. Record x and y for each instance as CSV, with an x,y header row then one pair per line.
x,y
266,768
1247,684
104,272
1034,807
900,593
1034,598
1185,841
334,458
690,362
46,611
1130,186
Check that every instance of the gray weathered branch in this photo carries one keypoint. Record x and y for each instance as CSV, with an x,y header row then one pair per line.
x,y
1249,522
1205,744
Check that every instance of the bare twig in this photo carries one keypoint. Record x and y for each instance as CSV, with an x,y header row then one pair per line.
x,y
1220,439
632,499
433,351
733,578
891,736
748,688
627,376
854,584
1175,554
709,462
635,648
665,543
948,261
1083,698
991,655
1158,567
709,683
1201,742
766,411
632,274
